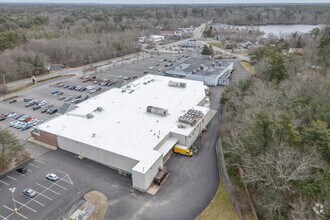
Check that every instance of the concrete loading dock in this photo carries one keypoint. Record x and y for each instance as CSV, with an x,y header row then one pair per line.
x,y
116,129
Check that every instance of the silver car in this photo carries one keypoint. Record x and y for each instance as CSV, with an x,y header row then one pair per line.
x,y
29,193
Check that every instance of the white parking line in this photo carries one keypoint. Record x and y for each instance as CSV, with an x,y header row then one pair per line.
x,y
7,207
39,161
29,170
32,199
10,177
19,173
25,206
31,164
21,215
45,196
55,184
4,182
62,172
14,212
48,189
3,218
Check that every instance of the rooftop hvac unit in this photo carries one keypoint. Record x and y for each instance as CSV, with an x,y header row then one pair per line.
x,y
177,84
157,110
90,116
99,109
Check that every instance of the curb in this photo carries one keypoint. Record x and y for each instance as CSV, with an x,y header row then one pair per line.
x,y
18,165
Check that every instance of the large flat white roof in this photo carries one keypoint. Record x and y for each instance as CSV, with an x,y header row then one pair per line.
x,y
125,127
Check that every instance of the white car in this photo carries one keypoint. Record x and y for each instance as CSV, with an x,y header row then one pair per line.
x,y
11,114
52,177
151,68
44,102
119,77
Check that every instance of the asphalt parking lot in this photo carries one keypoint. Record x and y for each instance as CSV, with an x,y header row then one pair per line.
x,y
35,178
115,72
188,190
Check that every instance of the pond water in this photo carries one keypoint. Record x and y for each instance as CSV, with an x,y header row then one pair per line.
x,y
279,30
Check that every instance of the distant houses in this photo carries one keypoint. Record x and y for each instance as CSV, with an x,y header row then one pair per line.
x,y
163,35
151,39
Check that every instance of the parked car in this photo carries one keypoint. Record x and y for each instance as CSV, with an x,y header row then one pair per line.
x,y
21,170
18,116
60,93
12,101
78,96
27,99
36,107
54,92
66,86
29,104
23,117
72,87
10,114
86,80
82,89
67,99
29,193
92,91
52,111
46,108
145,72
61,98
103,83
44,102
26,126
90,87
61,85
2,117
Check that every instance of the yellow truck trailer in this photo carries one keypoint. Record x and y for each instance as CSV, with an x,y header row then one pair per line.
x,y
183,150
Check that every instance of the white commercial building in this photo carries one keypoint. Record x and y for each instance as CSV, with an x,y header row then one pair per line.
x,y
132,129
204,68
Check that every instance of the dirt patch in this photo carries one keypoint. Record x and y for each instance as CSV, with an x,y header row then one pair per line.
x,y
15,163
249,68
101,204
220,207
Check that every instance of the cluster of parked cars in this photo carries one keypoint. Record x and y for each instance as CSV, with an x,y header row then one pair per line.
x,y
8,115
24,122
76,99
50,109
30,192
127,77
90,89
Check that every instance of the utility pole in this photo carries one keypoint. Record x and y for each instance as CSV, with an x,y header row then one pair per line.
x,y
90,61
12,190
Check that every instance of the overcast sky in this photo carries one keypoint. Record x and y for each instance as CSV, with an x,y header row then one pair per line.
x,y
170,1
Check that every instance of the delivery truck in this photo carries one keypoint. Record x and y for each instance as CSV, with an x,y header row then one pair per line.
x,y
183,150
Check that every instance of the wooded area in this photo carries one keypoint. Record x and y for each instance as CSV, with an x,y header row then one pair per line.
x,y
277,131
32,36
